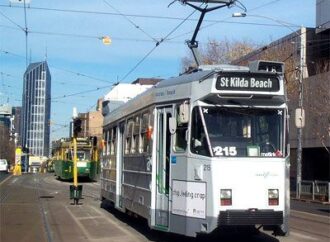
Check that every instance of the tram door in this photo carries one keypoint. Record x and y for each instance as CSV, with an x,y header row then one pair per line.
x,y
119,164
163,147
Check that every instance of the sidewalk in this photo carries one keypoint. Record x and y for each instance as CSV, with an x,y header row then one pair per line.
x,y
310,206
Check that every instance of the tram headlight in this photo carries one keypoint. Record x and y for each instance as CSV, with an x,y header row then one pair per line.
x,y
225,197
273,196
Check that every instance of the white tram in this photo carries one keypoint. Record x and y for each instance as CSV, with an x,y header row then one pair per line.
x,y
203,150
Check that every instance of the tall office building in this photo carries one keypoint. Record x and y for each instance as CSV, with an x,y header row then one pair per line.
x,y
36,109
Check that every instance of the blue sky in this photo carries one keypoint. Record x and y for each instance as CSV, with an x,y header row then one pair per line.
x,y
74,50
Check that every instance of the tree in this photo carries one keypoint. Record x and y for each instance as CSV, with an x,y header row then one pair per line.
x,y
220,52
7,146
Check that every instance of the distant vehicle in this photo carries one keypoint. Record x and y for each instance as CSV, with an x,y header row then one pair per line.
x,y
50,165
204,150
35,163
86,158
4,166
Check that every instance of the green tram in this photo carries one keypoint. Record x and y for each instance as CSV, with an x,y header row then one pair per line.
x,y
87,157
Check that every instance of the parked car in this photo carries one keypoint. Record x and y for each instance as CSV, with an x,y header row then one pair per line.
x,y
4,165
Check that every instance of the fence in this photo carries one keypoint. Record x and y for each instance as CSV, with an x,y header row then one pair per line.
x,y
315,190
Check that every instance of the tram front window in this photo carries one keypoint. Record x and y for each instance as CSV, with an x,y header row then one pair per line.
x,y
83,155
239,132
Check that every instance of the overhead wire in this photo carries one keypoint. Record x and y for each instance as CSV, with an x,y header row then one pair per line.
x,y
87,36
12,21
157,44
130,21
134,67
104,13
61,69
26,34
130,71
136,15
274,44
224,20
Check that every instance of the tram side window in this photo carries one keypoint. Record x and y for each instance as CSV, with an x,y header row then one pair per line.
x,y
144,142
103,143
108,141
113,141
129,135
136,132
180,134
198,144
69,154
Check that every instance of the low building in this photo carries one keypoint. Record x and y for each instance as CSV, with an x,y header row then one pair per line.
x,y
308,51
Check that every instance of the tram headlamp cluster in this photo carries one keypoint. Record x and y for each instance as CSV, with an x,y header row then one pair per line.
x,y
225,197
273,196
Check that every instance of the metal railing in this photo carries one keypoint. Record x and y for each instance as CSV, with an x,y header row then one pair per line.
x,y
315,190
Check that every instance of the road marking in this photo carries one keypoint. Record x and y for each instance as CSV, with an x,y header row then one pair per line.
x,y
5,179
13,181
309,238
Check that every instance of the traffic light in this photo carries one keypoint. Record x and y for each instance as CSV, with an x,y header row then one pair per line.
x,y
76,126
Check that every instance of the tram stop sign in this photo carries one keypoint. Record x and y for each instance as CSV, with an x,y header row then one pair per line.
x,y
300,118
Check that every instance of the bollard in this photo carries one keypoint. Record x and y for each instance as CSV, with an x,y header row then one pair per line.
x,y
75,193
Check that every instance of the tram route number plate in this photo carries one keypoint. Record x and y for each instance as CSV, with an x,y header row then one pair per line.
x,y
81,164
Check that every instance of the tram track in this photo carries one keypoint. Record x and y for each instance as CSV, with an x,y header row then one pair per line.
x,y
42,210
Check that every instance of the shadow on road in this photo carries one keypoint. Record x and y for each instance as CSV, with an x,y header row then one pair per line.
x,y
324,210
141,225
80,180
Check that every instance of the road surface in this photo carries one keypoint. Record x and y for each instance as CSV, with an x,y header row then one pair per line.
x,y
36,207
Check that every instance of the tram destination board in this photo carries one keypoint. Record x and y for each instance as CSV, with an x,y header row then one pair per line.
x,y
248,82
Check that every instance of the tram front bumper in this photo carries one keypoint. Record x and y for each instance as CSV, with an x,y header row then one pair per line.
x,y
250,217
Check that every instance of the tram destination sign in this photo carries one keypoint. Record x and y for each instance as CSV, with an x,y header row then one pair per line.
x,y
248,82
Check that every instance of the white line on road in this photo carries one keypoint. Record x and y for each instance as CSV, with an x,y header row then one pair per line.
x,y
5,179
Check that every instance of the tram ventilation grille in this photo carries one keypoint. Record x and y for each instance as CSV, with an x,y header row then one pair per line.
x,y
246,217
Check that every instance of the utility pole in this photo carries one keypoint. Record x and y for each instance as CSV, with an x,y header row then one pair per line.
x,y
300,121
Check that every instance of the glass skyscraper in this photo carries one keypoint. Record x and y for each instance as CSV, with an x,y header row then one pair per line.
x,y
36,109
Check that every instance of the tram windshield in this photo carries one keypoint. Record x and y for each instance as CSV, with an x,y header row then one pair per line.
x,y
83,155
240,132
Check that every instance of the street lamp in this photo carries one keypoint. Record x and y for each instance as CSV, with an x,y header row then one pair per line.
x,y
300,114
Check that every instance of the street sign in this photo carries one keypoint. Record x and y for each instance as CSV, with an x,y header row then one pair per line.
x,y
18,155
300,118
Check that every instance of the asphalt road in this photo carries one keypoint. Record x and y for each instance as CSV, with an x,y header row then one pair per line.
x,y
3,176
36,207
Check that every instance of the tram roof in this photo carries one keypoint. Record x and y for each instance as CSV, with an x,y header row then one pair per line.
x,y
201,73
158,93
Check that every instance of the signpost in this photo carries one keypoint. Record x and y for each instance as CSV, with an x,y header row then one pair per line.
x,y
18,156
75,189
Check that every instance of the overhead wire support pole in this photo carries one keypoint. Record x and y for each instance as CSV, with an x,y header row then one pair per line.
x,y
193,44
26,35
300,108
300,114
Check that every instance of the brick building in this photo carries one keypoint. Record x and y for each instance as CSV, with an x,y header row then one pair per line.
x,y
308,50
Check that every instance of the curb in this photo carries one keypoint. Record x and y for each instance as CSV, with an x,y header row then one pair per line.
x,y
310,201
